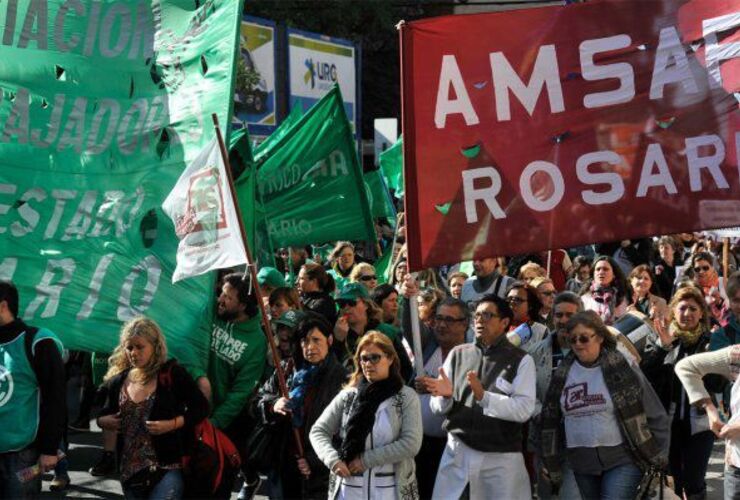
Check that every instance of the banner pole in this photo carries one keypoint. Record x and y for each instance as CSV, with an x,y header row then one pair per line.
x,y
725,258
257,290
549,260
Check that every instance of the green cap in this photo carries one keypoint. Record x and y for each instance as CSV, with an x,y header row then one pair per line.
x,y
271,277
290,319
353,291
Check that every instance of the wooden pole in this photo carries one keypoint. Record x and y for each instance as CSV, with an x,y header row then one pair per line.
x,y
725,259
257,291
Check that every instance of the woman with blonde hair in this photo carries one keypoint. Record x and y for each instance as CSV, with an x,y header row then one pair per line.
x,y
378,421
530,271
152,420
364,274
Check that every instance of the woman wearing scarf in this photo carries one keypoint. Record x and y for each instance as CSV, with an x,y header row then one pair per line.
x,y
701,267
526,330
605,292
691,438
378,422
314,377
640,296
601,408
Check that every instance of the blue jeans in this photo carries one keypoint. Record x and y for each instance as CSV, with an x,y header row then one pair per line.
x,y
732,483
617,483
10,464
170,487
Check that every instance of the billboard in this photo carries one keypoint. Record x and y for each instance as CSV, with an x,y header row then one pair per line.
x,y
315,63
254,91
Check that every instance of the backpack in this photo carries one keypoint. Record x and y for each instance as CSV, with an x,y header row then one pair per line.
x,y
212,461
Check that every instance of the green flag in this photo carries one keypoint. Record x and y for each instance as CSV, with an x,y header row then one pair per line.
x,y
383,266
378,196
102,106
310,180
391,164
265,146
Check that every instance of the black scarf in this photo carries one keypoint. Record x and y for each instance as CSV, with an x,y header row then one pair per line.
x,y
362,414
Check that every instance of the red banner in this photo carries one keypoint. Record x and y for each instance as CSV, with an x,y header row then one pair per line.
x,y
559,126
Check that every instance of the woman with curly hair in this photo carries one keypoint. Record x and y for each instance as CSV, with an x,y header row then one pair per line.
x,y
605,293
152,420
378,422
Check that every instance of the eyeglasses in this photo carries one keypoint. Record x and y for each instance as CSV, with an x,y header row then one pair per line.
x,y
346,303
447,319
701,269
515,300
373,359
485,316
581,339
368,277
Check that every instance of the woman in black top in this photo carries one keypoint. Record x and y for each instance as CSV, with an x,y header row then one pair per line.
x,y
316,286
152,420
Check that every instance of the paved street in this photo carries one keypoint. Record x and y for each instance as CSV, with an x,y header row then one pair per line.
x,y
85,449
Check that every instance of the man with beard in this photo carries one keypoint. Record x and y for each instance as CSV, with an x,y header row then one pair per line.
x,y
236,361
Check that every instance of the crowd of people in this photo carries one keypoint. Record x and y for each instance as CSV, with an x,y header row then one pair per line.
x,y
578,373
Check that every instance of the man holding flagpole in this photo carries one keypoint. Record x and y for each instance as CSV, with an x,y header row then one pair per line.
x,y
207,223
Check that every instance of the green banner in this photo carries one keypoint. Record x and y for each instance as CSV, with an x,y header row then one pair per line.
x,y
268,144
102,106
310,180
391,164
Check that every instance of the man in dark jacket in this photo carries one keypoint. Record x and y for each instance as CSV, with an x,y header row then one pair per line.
x,y
32,398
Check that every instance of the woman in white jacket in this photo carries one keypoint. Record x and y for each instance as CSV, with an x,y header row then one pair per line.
x,y
378,422
725,362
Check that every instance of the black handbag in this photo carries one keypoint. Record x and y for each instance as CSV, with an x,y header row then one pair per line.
x,y
143,482
264,446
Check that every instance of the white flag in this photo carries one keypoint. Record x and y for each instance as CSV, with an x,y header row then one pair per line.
x,y
205,218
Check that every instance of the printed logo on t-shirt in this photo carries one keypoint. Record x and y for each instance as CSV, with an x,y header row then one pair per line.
x,y
226,346
577,396
6,385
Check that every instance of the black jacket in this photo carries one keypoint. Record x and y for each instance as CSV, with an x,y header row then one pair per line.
x,y
181,397
321,303
659,365
330,378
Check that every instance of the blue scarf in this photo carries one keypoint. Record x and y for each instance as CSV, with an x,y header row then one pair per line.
x,y
303,380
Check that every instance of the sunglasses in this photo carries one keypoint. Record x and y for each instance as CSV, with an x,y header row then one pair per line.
x,y
581,339
562,315
346,303
373,359
701,269
447,319
515,300
485,316
548,293
368,277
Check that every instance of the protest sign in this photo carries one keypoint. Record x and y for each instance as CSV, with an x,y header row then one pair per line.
x,y
102,106
554,127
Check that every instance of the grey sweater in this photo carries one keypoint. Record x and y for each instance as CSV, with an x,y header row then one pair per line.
x,y
404,416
